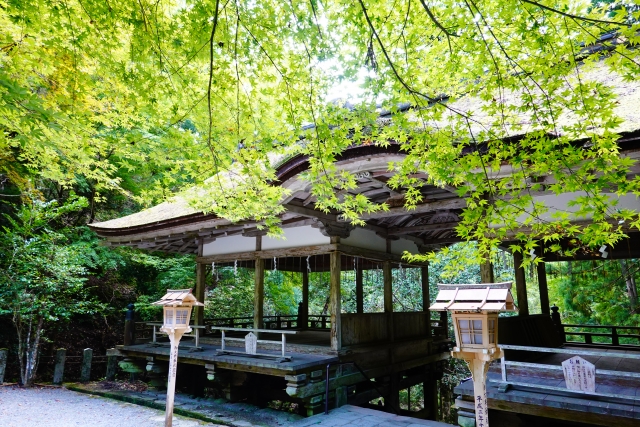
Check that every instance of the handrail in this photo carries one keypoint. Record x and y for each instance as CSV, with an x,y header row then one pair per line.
x,y
612,333
574,352
283,342
568,351
600,326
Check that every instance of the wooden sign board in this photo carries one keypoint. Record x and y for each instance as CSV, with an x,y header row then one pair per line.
x,y
251,343
579,374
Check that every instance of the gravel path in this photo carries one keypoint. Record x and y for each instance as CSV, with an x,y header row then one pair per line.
x,y
57,407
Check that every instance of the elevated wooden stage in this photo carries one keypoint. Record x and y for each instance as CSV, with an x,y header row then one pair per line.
x,y
209,355
534,392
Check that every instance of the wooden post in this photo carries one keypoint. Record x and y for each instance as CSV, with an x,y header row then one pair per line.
x,y
486,272
129,326
359,290
521,285
85,373
174,338
388,286
425,297
258,296
304,322
393,399
387,279
430,393
544,290
58,370
3,363
479,370
557,322
199,293
112,366
334,300
444,321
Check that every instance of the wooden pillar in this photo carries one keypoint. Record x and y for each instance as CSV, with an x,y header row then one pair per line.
x,y
258,294
486,272
388,289
542,286
201,271
304,318
392,401
359,290
425,297
388,296
521,285
334,300
430,393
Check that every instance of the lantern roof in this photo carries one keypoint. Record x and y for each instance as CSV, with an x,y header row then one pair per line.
x,y
476,297
178,297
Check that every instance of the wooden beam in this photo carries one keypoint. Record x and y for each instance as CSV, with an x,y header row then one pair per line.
x,y
375,255
334,301
543,288
277,253
311,213
258,295
421,208
521,284
398,231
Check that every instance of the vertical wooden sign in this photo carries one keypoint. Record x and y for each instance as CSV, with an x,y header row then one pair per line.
x,y
579,374
251,343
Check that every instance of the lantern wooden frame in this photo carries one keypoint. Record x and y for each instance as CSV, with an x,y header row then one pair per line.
x,y
486,334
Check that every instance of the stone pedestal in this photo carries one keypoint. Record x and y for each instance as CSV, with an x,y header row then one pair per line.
x,y
157,374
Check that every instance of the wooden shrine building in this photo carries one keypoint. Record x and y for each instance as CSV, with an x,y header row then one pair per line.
x,y
354,356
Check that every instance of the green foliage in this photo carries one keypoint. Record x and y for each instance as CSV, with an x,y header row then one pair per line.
x,y
231,294
148,98
592,293
283,292
42,277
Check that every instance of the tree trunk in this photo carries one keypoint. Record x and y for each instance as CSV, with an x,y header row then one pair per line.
x,y
632,290
28,350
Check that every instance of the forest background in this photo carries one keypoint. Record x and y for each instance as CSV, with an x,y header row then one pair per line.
x,y
108,108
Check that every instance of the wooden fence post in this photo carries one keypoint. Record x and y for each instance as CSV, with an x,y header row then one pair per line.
x,y
85,373
130,326
58,370
3,363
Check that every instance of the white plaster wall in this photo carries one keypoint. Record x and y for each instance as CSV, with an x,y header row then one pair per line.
x,y
399,246
560,203
295,238
229,245
367,239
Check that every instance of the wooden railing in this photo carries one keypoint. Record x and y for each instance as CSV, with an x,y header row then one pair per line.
x,y
505,364
612,335
319,321
230,322
224,350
